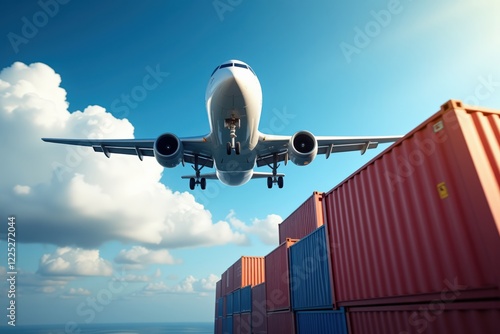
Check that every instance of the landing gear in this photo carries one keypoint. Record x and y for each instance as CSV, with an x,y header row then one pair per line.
x,y
232,124
275,178
198,179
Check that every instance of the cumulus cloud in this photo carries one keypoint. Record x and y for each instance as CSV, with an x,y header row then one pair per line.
x,y
74,293
143,256
68,261
71,196
189,285
265,229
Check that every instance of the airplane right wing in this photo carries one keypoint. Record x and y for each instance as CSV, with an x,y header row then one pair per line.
x,y
276,148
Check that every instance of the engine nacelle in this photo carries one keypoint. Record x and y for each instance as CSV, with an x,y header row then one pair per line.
x,y
302,148
168,150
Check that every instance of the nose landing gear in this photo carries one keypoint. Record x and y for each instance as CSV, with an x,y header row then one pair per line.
x,y
232,124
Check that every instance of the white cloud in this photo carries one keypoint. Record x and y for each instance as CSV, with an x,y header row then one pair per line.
x,y
142,256
78,197
68,261
22,190
265,229
189,285
74,293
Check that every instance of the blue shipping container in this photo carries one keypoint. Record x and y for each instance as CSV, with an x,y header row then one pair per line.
x,y
236,301
246,299
310,282
229,304
321,322
220,304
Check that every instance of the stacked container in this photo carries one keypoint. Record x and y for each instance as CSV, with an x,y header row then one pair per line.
x,y
304,220
420,223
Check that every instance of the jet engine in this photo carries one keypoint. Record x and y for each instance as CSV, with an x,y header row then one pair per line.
x,y
168,150
302,148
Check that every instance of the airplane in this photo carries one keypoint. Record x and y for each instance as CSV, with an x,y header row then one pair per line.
x,y
234,145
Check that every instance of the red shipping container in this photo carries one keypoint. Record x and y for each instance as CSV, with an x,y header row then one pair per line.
x,y
281,322
436,317
423,217
278,277
242,323
304,220
218,289
227,281
218,326
248,270
259,313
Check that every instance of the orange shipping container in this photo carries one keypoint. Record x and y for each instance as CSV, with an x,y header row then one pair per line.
x,y
248,270
304,220
423,217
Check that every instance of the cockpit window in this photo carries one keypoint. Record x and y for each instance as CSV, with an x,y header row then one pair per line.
x,y
233,64
214,70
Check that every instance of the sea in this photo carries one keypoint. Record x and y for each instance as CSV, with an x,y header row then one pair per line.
x,y
132,328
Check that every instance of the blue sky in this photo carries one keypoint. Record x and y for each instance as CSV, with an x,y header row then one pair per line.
x,y
333,68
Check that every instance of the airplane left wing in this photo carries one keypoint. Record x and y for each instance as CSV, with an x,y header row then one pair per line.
x,y
274,148
195,149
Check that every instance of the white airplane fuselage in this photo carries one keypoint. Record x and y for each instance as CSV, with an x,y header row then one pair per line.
x,y
234,93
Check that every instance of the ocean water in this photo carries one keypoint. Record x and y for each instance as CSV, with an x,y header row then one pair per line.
x,y
133,328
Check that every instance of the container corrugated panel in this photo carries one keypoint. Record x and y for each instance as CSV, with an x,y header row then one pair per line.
x,y
278,278
218,289
248,270
218,326
304,220
310,279
227,325
219,307
422,217
246,299
236,301
224,284
281,322
321,322
242,323
228,302
436,317
259,317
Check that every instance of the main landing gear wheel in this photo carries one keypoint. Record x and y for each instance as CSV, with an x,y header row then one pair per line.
x,y
198,179
275,178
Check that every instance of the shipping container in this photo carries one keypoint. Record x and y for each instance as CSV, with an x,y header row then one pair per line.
x,y
236,301
435,317
218,289
259,317
304,220
219,307
423,217
242,323
227,325
246,299
310,277
281,322
218,326
227,281
278,278
228,305
248,270
321,322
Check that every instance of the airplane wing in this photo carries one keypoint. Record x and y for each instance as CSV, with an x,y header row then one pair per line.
x,y
193,147
274,148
